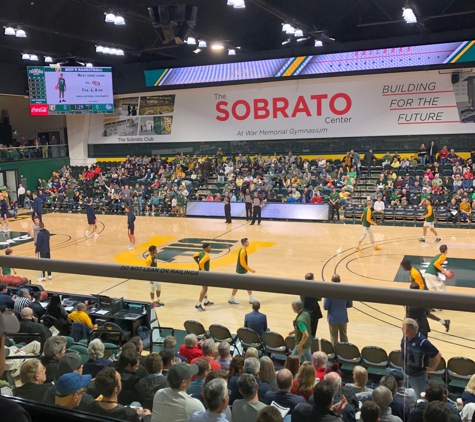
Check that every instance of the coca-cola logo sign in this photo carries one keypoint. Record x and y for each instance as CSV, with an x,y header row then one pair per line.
x,y
38,110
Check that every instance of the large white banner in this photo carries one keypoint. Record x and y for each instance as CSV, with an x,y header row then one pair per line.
x,y
416,103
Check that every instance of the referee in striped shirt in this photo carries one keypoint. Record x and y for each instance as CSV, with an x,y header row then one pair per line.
x,y
257,204
22,301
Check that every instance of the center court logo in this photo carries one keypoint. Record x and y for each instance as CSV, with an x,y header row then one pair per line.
x,y
38,110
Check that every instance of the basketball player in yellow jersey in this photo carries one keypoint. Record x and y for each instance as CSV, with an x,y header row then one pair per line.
x,y
202,259
367,222
242,268
429,221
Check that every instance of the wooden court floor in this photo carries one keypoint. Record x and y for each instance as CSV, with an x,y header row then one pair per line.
x,y
284,249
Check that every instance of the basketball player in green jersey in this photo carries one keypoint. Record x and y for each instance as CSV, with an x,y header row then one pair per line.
x,y
155,286
61,87
429,221
202,259
367,222
242,268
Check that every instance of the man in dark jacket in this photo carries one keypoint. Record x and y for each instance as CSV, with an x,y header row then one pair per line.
x,y
33,380
255,320
38,310
5,298
310,305
43,249
28,325
434,391
369,159
127,366
284,397
154,381
323,409
54,349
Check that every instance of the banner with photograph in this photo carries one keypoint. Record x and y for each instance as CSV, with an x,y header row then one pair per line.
x,y
418,103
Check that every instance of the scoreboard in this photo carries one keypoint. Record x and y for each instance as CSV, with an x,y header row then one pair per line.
x,y
70,90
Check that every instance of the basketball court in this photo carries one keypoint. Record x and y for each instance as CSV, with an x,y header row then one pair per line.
x,y
280,249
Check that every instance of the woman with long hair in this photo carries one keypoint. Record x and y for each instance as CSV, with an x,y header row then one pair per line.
x,y
292,363
56,310
236,365
360,379
305,382
267,373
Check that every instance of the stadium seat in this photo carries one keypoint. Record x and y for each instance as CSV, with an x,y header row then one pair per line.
x,y
221,334
395,359
274,343
349,213
195,327
389,214
290,342
459,371
249,338
410,214
399,214
348,355
320,344
375,359
440,373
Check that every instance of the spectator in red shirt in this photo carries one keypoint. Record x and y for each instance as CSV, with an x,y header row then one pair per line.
x,y
319,360
207,347
316,198
443,155
191,349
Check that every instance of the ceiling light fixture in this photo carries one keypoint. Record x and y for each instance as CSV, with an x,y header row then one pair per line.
x,y
318,43
197,51
202,44
119,52
286,41
231,52
231,2
48,59
106,50
290,30
9,30
286,26
298,33
34,57
99,49
20,33
408,15
217,47
191,41
119,20
113,51
25,56
302,39
110,17
239,4
89,65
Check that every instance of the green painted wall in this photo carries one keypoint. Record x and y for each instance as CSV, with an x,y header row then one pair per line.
x,y
33,170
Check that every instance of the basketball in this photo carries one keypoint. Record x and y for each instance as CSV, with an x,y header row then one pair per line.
x,y
56,87
24,280
449,274
44,295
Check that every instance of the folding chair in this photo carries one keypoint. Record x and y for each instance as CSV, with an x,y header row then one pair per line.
x,y
195,327
220,333
274,343
395,359
325,346
249,338
459,371
348,355
375,359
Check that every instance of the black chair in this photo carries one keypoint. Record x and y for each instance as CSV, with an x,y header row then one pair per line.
x,y
274,343
249,338
221,334
375,359
325,346
348,355
440,373
395,359
290,342
459,371
197,328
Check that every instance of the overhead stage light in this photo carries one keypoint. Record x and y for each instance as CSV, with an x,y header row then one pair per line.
x,y
231,52
286,26
34,57
202,44
20,33
48,59
290,30
408,15
298,33
119,20
99,49
89,65
110,17
318,43
9,30
106,50
25,56
231,2
191,41
239,4
119,52
217,47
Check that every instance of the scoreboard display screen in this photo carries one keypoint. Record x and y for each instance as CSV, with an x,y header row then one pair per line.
x,y
70,90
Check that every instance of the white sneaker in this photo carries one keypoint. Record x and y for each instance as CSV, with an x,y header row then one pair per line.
x,y
50,277
233,302
41,279
86,233
96,235
252,300
131,248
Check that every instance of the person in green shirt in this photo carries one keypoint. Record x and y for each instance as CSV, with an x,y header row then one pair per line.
x,y
429,221
203,259
333,200
180,203
8,270
242,267
431,276
301,330
367,222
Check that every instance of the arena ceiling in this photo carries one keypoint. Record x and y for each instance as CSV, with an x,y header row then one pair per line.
x,y
72,28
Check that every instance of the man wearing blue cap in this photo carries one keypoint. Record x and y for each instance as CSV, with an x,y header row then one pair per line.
x,y
70,388
9,324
